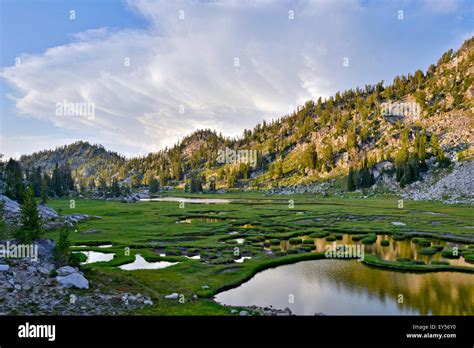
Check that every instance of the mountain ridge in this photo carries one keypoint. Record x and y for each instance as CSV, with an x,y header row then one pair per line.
x,y
319,140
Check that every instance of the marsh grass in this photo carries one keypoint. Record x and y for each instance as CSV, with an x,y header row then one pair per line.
x,y
144,227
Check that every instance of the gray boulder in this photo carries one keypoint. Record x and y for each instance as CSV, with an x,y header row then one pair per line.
x,y
66,270
11,208
47,213
173,296
73,280
45,268
45,249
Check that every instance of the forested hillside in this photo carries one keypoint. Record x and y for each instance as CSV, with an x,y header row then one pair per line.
x,y
421,120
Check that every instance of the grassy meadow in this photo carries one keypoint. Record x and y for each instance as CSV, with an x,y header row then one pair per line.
x,y
210,231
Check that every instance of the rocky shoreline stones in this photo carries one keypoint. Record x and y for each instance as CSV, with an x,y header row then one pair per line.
x,y
71,278
172,296
29,287
265,311
51,218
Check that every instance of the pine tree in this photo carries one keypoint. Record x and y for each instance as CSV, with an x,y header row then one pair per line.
x,y
30,221
434,143
14,186
278,169
66,179
103,186
115,188
443,161
154,185
310,158
231,178
199,181
351,138
61,251
351,180
35,181
44,188
194,184
56,181
212,184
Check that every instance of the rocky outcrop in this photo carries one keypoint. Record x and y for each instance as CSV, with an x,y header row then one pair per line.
x,y
34,287
454,187
315,188
73,219
11,209
51,218
134,197
47,213
172,296
71,278
266,311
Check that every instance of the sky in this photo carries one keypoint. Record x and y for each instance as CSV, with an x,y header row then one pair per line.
x,y
138,75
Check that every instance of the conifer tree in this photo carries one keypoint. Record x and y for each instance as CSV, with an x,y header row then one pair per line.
x,y
154,185
212,184
35,181
30,221
351,180
14,186
44,188
56,181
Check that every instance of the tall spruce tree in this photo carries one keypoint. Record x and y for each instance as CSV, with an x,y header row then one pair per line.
x,y
351,180
56,181
14,186
35,180
67,182
115,189
154,185
45,188
30,221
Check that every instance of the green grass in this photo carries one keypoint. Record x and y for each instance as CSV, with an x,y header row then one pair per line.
x,y
450,254
412,266
422,242
428,251
150,228
469,257
370,239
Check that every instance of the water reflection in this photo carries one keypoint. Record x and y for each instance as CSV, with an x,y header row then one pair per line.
x,y
141,263
337,287
242,259
94,256
395,250
187,200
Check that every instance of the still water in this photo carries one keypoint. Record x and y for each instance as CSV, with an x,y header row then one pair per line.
x,y
94,256
141,263
347,287
395,250
187,200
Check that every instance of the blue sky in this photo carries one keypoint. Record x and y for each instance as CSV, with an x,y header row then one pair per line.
x,y
225,65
